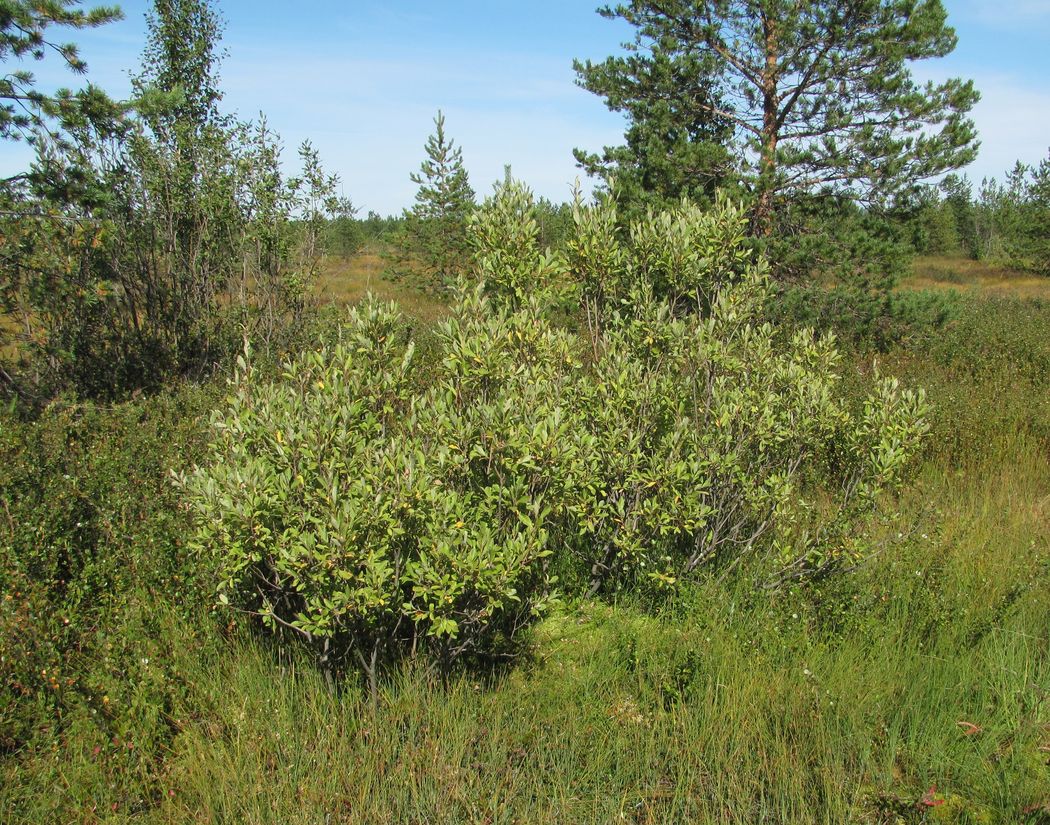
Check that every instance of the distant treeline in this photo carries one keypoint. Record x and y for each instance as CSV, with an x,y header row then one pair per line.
x,y
349,235
1006,223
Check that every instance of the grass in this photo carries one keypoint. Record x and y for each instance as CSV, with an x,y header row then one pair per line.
x,y
345,281
928,669
966,275
916,689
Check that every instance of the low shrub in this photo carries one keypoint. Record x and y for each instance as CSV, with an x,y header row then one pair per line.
x,y
866,321
996,339
722,441
371,514
368,517
93,565
987,371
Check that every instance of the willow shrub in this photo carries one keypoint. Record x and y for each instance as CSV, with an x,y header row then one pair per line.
x,y
718,439
371,517
373,513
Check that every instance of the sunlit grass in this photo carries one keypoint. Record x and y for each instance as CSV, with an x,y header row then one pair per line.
x,y
346,281
966,275
729,710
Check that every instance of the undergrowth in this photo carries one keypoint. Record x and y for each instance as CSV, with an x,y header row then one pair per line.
x,y
914,689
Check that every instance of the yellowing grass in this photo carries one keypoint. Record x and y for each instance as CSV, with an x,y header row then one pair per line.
x,y
965,275
348,280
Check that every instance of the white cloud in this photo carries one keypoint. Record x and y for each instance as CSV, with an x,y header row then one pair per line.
x,y
1008,12
1012,118
1013,123
370,117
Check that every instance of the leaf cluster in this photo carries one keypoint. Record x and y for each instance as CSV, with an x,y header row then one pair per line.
x,y
371,514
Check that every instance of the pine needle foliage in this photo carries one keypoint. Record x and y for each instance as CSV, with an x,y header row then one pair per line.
x,y
26,33
807,96
435,234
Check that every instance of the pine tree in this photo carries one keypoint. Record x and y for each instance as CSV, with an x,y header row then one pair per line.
x,y
809,95
1027,225
958,204
24,33
1039,225
673,147
436,227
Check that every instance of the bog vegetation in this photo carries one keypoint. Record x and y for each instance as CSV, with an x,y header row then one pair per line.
x,y
691,503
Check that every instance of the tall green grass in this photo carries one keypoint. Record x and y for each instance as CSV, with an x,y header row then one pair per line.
x,y
847,706
844,704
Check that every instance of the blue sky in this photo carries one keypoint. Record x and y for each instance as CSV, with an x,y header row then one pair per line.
x,y
362,79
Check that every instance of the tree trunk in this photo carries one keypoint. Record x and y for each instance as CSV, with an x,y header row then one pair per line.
x,y
762,219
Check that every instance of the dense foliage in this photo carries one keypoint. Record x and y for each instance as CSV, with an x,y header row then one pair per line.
x,y
141,246
371,513
94,567
805,97
861,677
